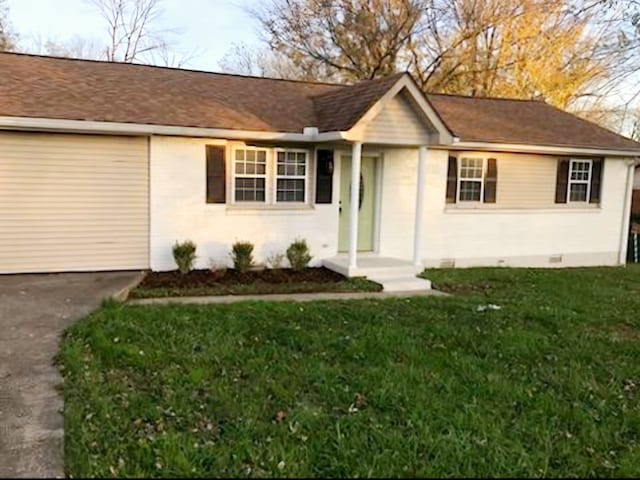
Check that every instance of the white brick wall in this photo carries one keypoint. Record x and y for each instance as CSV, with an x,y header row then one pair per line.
x,y
179,212
494,236
497,236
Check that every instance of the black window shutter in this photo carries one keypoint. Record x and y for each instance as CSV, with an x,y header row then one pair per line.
x,y
324,176
562,180
216,175
491,181
596,180
452,180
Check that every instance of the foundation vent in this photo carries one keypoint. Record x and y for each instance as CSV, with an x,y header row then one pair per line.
x,y
555,259
447,263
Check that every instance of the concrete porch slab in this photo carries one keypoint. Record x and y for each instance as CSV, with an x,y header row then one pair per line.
x,y
394,274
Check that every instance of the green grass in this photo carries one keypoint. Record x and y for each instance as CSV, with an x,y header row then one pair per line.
x,y
347,285
548,385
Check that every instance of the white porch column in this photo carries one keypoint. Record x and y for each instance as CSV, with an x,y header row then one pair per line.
x,y
419,220
356,156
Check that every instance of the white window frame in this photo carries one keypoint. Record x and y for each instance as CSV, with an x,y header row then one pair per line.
x,y
481,180
235,175
579,182
277,177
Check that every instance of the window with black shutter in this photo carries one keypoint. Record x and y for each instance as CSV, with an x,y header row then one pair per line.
x,y
472,179
578,180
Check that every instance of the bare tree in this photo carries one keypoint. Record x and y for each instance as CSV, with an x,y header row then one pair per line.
x,y
342,39
132,27
133,35
7,36
244,59
74,47
166,56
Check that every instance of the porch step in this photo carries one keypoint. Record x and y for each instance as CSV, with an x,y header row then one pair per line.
x,y
394,274
373,266
404,283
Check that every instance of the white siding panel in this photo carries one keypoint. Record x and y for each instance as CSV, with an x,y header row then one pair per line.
x,y
397,123
524,181
73,203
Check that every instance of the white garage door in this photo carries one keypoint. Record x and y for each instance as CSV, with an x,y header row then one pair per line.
x,y
73,203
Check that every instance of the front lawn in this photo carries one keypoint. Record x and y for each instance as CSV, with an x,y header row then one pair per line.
x,y
545,383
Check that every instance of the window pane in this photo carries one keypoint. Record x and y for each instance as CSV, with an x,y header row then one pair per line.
x,y
250,190
292,164
578,192
580,171
240,167
290,190
471,168
470,191
251,155
262,156
240,155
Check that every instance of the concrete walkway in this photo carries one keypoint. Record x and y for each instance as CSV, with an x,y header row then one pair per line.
x,y
34,311
288,297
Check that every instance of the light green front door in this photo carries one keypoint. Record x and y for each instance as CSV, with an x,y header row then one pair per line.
x,y
366,216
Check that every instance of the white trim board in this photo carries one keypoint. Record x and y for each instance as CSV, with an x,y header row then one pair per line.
x,y
540,149
85,126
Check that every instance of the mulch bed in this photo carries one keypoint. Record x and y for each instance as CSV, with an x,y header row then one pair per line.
x,y
212,278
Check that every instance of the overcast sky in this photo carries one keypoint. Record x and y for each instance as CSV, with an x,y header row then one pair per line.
x,y
207,26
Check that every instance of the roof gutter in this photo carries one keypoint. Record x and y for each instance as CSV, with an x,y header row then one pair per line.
x,y
541,149
310,134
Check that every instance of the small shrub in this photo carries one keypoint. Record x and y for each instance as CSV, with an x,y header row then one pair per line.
x,y
275,261
298,255
184,255
242,256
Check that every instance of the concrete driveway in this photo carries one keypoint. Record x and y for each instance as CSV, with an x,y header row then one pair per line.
x,y
34,311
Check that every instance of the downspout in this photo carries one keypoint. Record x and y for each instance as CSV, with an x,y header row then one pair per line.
x,y
626,211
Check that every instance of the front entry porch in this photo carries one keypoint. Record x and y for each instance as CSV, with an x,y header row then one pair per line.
x,y
394,274
360,224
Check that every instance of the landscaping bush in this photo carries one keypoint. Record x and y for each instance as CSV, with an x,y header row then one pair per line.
x,y
275,261
298,255
184,255
242,256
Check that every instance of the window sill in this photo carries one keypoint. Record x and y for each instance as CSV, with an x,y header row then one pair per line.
x,y
483,208
269,209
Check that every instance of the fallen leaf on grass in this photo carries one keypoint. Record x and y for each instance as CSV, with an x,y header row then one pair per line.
x,y
360,401
280,416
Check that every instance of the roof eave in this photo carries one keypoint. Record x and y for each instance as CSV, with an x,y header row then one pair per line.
x,y
543,149
116,128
